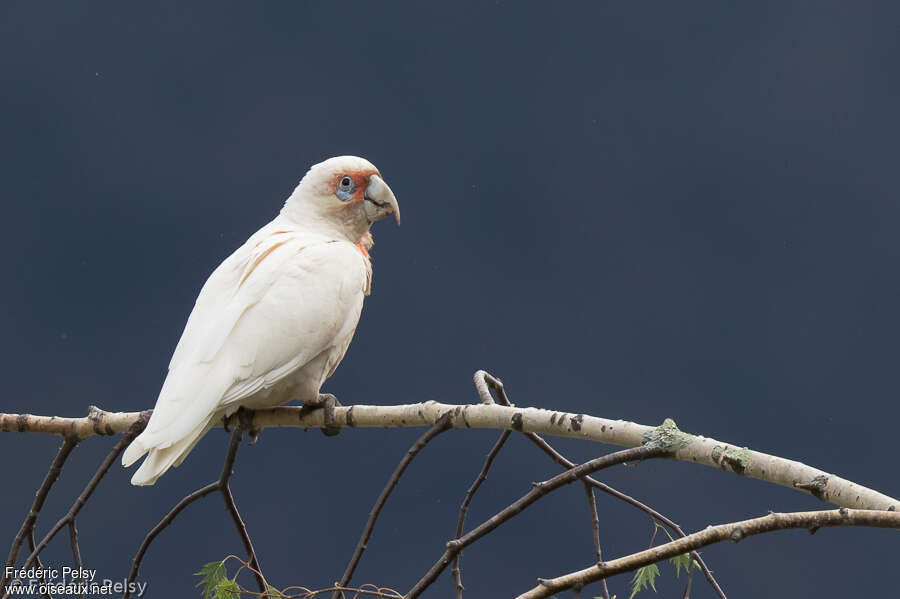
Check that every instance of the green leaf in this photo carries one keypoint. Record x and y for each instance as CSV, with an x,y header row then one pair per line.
x,y
213,573
681,561
644,576
227,589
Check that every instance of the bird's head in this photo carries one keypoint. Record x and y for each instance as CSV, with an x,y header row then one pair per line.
x,y
343,195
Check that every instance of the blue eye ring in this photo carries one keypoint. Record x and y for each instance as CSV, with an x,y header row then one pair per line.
x,y
345,188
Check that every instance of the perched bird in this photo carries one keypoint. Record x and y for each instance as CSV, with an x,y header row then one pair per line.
x,y
275,319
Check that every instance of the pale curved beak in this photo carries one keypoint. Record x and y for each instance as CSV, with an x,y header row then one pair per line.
x,y
380,201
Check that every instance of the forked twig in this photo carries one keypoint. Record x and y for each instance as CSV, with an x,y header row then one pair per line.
x,y
539,490
221,485
27,527
104,467
225,489
565,463
484,381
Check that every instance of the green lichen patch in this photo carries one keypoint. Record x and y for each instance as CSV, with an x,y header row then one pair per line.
x,y
731,458
667,436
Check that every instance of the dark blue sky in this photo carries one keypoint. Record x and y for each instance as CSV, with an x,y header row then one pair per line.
x,y
634,210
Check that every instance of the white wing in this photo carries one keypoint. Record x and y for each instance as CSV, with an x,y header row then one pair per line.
x,y
270,308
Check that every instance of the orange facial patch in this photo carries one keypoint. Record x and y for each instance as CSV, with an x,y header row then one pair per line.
x,y
360,180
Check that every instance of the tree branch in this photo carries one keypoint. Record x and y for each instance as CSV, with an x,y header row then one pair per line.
x,y
565,463
484,381
696,449
136,427
734,531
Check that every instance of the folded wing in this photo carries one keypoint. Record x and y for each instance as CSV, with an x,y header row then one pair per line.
x,y
268,310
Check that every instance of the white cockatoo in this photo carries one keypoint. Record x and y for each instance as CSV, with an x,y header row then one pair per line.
x,y
275,318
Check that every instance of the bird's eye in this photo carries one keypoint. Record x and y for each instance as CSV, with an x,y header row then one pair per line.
x,y
345,188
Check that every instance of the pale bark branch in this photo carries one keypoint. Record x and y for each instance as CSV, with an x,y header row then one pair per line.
x,y
696,449
734,531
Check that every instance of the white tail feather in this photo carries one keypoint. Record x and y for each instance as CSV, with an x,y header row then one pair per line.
x,y
160,460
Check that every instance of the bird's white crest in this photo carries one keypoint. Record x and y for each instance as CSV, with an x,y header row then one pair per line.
x,y
274,320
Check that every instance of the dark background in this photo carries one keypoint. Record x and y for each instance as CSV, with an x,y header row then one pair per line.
x,y
634,210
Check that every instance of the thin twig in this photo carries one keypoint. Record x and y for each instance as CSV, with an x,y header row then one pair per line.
x,y
595,529
733,531
104,467
136,562
538,491
440,426
37,560
487,380
221,485
27,527
224,487
690,578
464,508
76,550
566,463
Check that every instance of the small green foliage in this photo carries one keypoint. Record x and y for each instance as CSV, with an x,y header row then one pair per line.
x,y
215,582
644,576
213,573
683,561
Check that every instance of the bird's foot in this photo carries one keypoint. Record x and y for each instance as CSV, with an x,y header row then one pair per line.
x,y
243,419
327,402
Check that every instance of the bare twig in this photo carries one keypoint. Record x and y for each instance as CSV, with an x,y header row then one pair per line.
x,y
27,527
37,560
76,550
224,487
166,521
566,463
484,381
440,426
538,491
595,529
734,531
467,500
687,587
101,471
221,485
